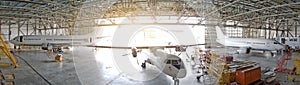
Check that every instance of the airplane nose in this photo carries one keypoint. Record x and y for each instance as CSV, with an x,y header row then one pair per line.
x,y
12,41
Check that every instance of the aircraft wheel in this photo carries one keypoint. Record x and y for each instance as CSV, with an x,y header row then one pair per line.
x,y
143,65
248,50
176,81
198,78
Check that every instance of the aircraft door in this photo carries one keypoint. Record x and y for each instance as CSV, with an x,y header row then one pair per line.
x,y
91,40
283,40
21,38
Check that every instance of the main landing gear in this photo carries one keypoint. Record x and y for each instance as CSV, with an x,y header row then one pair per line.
x,y
176,81
143,65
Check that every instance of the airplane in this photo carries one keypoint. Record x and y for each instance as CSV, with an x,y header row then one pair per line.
x,y
52,42
170,64
247,44
292,42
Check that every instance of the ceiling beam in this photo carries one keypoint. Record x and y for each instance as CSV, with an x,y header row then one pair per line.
x,y
281,14
261,9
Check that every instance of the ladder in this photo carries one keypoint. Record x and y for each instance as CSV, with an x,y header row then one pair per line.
x,y
5,50
282,62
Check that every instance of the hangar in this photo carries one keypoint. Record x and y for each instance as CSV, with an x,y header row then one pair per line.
x,y
151,42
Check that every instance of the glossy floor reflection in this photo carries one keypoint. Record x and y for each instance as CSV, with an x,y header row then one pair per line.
x,y
85,66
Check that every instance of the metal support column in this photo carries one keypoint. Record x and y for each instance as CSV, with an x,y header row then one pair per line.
x,y
269,33
18,22
277,30
287,27
9,29
27,27
0,26
296,29
35,27
265,33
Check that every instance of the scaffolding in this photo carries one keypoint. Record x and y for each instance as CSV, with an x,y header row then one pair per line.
x,y
220,70
282,64
5,53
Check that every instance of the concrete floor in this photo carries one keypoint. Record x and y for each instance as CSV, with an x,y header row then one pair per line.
x,y
84,66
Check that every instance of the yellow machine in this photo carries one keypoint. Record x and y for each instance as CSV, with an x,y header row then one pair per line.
x,y
220,69
5,51
58,57
224,74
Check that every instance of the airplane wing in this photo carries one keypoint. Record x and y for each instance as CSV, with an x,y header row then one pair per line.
x,y
145,47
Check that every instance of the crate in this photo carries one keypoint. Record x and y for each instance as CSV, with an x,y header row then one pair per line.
x,y
8,83
9,77
248,75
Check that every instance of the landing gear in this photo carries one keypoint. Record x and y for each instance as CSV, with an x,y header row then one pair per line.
x,y
176,81
198,78
272,54
144,65
248,50
59,50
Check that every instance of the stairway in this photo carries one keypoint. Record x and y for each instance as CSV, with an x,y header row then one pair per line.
x,y
5,53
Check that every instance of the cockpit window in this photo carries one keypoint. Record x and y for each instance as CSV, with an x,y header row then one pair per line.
x,y
168,62
174,62
16,39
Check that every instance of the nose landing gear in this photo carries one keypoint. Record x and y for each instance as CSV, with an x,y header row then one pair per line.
x,y
176,81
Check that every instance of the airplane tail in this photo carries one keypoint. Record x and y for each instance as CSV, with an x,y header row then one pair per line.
x,y
220,36
278,39
93,37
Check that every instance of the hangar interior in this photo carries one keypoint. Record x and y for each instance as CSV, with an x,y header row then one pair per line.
x,y
127,23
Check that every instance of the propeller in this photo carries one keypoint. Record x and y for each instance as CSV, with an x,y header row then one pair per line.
x,y
179,54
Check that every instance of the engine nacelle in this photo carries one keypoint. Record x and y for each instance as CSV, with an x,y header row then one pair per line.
x,y
180,49
47,46
134,52
244,50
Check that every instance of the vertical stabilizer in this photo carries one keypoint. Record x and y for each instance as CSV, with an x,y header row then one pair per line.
x,y
220,36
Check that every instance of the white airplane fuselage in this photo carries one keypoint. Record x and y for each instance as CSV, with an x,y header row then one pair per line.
x,y
49,41
169,64
253,43
249,43
37,40
293,42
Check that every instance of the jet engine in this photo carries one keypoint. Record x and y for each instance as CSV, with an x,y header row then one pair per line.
x,y
47,46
